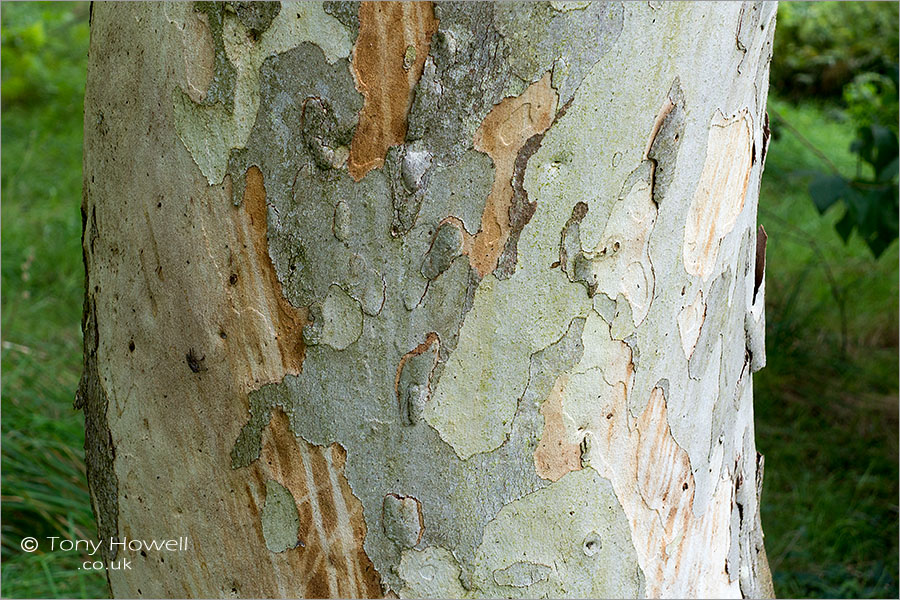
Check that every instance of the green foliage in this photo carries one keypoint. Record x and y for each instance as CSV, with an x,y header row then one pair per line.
x,y
821,46
852,47
44,50
826,403
871,99
44,488
870,202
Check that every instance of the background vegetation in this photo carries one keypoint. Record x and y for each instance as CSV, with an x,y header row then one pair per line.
x,y
826,404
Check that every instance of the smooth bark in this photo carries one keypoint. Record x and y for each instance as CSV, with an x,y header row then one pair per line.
x,y
457,300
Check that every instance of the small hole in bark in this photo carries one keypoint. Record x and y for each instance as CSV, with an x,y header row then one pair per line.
x,y
131,346
684,486
609,416
233,279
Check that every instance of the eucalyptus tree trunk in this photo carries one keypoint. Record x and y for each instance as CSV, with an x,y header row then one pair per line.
x,y
457,300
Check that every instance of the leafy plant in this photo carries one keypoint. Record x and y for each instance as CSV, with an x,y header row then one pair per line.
x,y
870,198
821,46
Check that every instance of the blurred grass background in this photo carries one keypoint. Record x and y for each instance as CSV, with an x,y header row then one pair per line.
x,y
826,404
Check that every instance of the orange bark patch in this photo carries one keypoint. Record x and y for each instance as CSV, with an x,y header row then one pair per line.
x,y
288,321
424,346
388,58
501,136
555,456
332,527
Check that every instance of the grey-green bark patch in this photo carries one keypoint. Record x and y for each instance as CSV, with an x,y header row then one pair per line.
x,y
402,520
542,38
430,573
256,17
447,245
534,548
279,518
337,321
522,574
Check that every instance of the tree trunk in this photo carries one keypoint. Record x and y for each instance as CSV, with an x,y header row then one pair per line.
x,y
451,300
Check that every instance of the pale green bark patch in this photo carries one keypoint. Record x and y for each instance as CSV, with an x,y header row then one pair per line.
x,y
534,548
337,321
279,518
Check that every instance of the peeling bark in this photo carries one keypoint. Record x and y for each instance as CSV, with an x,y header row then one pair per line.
x,y
388,58
414,300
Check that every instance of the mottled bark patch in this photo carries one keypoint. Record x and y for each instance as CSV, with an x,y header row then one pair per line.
x,y
387,67
650,473
534,548
542,38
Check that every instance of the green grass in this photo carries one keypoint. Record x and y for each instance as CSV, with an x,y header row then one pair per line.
x,y
44,490
826,404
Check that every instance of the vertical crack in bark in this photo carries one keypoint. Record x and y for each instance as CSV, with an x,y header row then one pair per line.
x,y
91,397
99,451
388,58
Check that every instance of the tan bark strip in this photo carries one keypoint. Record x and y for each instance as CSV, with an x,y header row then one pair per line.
x,y
501,136
555,455
288,321
332,527
390,35
720,194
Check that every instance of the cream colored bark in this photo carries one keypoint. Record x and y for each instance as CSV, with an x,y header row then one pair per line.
x,y
400,299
